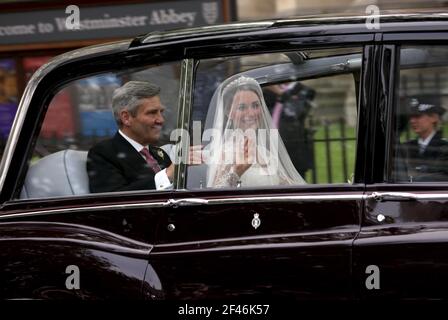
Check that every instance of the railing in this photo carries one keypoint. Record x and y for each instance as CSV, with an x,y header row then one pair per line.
x,y
335,146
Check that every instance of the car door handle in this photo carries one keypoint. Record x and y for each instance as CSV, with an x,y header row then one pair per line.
x,y
188,201
393,196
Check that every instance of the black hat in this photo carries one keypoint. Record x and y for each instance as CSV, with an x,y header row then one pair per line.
x,y
419,106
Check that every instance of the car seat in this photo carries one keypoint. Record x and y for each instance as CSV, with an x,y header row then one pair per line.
x,y
62,173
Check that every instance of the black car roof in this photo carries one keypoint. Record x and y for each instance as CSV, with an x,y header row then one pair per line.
x,y
307,21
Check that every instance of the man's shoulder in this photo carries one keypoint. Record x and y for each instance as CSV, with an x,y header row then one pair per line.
x,y
104,146
412,142
441,140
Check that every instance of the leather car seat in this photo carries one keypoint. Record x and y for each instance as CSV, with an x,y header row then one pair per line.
x,y
62,173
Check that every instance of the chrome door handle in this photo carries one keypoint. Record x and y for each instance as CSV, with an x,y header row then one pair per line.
x,y
187,201
393,196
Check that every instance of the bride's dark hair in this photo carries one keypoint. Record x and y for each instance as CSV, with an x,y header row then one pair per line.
x,y
230,93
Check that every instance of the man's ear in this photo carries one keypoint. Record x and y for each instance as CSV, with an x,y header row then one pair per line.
x,y
125,118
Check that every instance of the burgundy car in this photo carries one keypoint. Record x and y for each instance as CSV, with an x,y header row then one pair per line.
x,y
367,224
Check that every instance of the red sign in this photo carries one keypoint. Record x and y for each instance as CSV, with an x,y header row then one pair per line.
x,y
59,121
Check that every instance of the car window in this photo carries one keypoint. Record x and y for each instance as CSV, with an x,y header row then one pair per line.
x,y
275,119
419,145
79,150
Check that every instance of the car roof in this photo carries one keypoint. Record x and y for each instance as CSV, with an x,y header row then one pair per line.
x,y
305,21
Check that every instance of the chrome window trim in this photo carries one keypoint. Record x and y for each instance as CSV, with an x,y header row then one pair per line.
x,y
37,77
288,198
173,203
169,203
409,196
183,120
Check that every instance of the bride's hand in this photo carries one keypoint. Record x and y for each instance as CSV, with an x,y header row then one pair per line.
x,y
195,155
240,168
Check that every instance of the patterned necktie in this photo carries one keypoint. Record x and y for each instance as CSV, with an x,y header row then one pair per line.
x,y
150,160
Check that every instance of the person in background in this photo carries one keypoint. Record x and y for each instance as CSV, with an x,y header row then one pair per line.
x,y
289,105
427,155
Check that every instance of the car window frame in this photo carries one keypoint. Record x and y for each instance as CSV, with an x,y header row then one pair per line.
x,y
45,90
396,41
303,44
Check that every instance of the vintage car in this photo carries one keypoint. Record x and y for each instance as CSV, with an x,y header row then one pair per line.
x,y
367,224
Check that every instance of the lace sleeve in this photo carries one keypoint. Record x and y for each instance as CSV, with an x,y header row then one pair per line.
x,y
226,178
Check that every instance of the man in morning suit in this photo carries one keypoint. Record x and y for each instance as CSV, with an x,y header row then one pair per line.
x,y
129,160
427,155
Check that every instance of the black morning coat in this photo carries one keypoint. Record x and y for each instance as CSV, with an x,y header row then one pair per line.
x,y
115,165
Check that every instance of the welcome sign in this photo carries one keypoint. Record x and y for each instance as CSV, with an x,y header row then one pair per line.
x,y
108,21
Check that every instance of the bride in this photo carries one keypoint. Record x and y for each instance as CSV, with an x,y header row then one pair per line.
x,y
245,150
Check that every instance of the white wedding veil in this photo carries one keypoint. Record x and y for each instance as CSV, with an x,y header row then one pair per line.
x,y
230,121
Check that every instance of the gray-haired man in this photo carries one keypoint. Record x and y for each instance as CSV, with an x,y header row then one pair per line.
x,y
129,160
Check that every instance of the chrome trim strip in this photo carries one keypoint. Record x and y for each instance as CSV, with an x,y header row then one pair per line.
x,y
183,120
169,203
204,31
31,88
287,198
379,196
196,201
86,209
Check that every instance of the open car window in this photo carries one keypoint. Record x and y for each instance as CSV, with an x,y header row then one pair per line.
x,y
79,117
298,129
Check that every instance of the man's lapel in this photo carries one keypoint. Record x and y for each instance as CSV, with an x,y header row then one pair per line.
x,y
129,153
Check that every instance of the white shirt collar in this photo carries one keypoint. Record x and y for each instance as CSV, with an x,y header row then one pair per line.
x,y
427,140
137,146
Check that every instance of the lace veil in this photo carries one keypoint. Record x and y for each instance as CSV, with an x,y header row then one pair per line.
x,y
230,122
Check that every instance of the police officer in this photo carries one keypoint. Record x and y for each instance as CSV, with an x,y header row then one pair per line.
x,y
427,155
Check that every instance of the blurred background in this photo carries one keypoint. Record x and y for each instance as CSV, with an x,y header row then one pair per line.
x,y
32,32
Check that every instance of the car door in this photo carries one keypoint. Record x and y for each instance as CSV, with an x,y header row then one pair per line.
x,y
59,241
401,250
294,241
